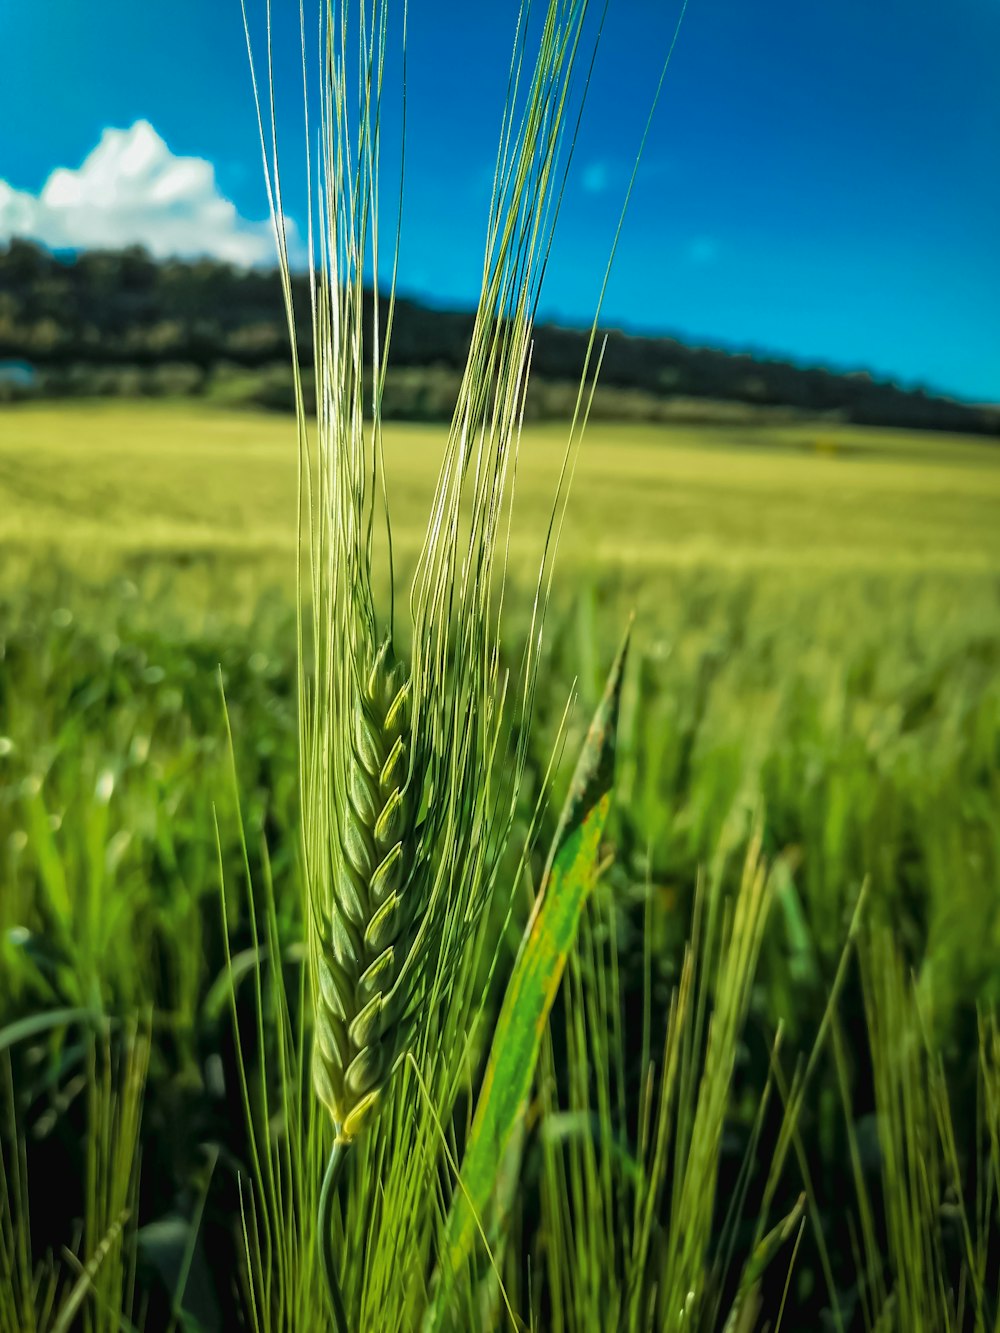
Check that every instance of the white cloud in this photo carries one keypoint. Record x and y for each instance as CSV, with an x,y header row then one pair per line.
x,y
132,190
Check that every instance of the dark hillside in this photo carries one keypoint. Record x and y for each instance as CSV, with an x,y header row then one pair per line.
x,y
121,323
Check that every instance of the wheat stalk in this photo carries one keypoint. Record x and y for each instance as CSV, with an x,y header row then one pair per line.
x,y
409,773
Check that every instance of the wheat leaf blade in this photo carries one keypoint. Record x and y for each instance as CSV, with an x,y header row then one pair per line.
x,y
548,938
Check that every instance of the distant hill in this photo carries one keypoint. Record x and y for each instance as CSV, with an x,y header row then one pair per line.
x,y
122,323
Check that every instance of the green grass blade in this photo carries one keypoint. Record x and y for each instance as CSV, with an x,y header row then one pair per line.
x,y
84,1283
747,1303
548,938
33,1025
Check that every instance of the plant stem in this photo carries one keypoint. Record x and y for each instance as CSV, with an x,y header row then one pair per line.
x,y
338,1155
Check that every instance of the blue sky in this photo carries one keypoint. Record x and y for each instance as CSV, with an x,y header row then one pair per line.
x,y
821,180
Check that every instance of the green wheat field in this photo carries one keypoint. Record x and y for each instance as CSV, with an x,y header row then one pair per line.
x,y
815,663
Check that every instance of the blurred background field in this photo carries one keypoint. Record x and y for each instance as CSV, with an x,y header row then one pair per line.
x,y
817,645
99,482
818,633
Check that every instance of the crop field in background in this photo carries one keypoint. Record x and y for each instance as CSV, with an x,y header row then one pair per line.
x,y
817,646
100,481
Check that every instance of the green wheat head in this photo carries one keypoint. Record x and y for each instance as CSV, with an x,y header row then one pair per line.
x,y
362,939
409,769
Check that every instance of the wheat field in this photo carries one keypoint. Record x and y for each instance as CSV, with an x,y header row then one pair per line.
x,y
815,665
100,481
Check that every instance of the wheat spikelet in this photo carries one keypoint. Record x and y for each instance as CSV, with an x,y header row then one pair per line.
x,y
362,939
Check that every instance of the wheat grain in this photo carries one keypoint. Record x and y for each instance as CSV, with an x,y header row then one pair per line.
x,y
361,940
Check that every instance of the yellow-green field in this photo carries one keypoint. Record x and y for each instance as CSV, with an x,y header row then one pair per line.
x,y
180,480
816,655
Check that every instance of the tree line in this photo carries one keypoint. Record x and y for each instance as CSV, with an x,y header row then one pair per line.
x,y
120,322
